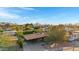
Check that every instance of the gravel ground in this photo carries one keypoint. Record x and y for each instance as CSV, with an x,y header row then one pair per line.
x,y
38,46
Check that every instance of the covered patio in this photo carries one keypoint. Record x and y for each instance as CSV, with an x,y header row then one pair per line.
x,y
35,36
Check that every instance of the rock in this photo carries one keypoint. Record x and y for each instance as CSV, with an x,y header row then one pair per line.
x,y
54,45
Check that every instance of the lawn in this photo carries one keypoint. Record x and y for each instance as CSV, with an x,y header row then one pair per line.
x,y
7,40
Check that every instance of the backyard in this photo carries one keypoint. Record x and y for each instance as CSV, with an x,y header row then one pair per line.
x,y
41,46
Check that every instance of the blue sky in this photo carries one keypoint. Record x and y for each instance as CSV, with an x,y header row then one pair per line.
x,y
43,15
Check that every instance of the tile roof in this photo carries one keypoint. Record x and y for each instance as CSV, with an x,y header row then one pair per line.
x,y
34,36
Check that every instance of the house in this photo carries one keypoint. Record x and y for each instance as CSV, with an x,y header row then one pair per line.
x,y
10,32
74,35
35,36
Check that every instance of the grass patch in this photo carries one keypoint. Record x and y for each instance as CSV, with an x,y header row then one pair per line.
x,y
6,40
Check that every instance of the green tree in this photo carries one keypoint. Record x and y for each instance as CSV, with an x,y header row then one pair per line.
x,y
20,39
55,36
19,34
38,29
1,30
28,29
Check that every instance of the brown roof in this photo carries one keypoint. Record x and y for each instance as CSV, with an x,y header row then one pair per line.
x,y
34,36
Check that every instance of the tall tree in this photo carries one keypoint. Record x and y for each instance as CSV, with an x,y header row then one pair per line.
x,y
56,36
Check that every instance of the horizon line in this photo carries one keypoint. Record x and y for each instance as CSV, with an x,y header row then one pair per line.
x,y
41,23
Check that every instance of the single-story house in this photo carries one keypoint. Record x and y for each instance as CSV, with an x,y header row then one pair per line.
x,y
35,36
11,32
74,36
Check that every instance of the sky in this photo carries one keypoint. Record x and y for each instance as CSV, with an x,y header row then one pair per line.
x,y
43,15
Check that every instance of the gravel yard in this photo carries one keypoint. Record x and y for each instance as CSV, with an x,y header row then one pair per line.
x,y
38,46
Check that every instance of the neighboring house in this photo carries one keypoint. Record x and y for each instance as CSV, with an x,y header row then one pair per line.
x,y
74,36
69,29
35,36
9,31
45,29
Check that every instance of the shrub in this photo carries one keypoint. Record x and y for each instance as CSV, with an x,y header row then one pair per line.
x,y
55,37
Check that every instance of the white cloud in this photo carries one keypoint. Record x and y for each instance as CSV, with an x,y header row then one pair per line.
x,y
8,15
5,13
13,18
27,8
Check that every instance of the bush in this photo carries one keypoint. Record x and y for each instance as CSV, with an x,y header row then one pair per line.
x,y
1,30
55,37
28,32
20,42
20,39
